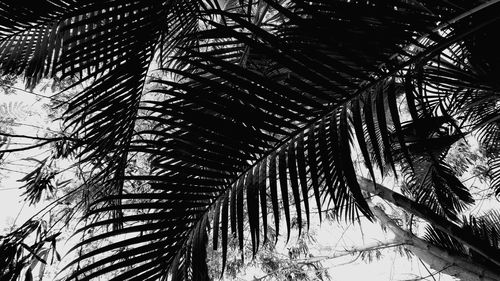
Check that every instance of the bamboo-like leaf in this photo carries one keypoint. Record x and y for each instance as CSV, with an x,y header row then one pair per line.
x,y
325,159
284,189
342,196
252,197
292,169
224,230
360,136
215,228
410,99
233,210
382,126
348,169
263,197
312,163
370,126
393,108
274,192
200,269
240,211
301,165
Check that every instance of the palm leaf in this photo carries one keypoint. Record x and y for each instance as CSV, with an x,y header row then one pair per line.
x,y
211,137
96,42
484,229
430,180
436,186
278,101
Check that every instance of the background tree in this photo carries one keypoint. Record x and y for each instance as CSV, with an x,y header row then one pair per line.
x,y
255,99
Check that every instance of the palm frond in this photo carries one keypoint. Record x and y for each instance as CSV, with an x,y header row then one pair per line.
x,y
430,180
435,185
110,44
223,127
485,229
107,44
256,105
482,115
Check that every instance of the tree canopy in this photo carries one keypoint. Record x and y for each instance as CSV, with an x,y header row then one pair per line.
x,y
252,112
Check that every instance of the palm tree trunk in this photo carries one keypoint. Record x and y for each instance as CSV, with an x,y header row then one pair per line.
x,y
431,253
439,259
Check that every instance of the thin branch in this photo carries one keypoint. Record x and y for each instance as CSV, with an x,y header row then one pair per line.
x,y
427,269
33,137
14,171
32,93
431,274
25,148
377,246
28,125
9,188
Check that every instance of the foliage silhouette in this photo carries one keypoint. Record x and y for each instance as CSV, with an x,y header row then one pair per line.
x,y
252,99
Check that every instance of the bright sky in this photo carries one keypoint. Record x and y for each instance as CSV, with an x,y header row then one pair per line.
x,y
10,200
334,239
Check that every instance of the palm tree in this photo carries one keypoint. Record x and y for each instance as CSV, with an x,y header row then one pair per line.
x,y
252,99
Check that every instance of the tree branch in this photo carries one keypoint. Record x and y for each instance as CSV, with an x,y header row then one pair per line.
x,y
25,148
427,214
435,256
